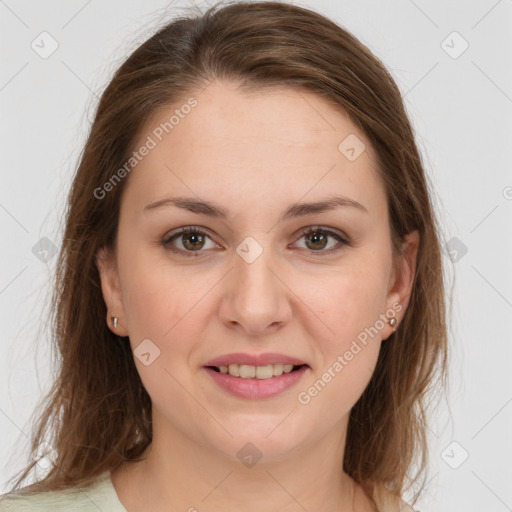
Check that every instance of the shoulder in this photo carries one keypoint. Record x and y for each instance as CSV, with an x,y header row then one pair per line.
x,y
389,502
99,496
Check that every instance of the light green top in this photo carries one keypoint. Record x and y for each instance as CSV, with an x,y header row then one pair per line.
x,y
102,497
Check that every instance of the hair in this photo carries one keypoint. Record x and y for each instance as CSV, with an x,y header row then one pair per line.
x,y
97,413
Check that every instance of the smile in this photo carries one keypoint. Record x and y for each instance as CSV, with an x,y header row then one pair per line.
x,y
247,371
256,382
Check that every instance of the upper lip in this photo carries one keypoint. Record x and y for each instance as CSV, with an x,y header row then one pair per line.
x,y
254,359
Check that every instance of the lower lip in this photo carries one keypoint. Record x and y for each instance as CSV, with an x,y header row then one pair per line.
x,y
257,388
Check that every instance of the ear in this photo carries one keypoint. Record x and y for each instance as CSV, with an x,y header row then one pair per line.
x,y
402,278
111,289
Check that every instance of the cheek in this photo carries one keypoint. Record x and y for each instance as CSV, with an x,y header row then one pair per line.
x,y
348,339
346,303
159,297
170,306
163,306
348,333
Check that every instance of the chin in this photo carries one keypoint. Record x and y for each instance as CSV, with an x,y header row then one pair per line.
x,y
259,447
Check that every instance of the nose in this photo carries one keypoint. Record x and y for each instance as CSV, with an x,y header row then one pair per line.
x,y
256,299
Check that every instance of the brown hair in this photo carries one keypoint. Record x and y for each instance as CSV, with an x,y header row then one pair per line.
x,y
98,412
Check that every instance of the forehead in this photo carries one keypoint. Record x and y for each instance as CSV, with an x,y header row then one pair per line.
x,y
268,144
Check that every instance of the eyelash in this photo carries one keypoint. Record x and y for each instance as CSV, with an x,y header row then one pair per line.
x,y
166,241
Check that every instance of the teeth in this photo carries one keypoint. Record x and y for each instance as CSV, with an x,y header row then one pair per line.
x,y
247,371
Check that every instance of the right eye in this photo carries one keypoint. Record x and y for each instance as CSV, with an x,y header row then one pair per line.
x,y
193,240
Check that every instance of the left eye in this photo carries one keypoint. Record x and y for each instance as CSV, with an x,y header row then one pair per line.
x,y
319,236
194,240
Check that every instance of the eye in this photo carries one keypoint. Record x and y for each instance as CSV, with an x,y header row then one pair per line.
x,y
193,240
317,239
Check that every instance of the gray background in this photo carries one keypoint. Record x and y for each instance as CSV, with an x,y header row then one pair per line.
x,y
460,103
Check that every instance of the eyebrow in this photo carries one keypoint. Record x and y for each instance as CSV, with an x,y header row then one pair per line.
x,y
295,210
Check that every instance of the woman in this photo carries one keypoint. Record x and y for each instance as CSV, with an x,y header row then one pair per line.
x,y
251,218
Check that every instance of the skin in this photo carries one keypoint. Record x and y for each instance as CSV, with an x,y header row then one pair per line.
x,y
253,154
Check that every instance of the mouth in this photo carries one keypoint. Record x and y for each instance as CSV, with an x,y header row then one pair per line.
x,y
256,382
246,371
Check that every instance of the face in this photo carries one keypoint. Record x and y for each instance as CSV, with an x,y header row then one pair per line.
x,y
254,281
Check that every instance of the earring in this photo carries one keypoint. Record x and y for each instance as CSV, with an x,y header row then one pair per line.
x,y
392,322
114,322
